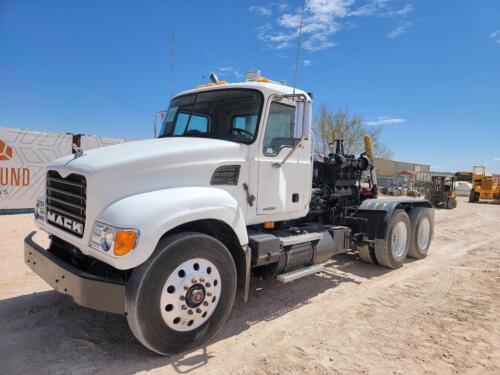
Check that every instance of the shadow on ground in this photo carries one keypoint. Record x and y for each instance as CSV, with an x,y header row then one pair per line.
x,y
47,331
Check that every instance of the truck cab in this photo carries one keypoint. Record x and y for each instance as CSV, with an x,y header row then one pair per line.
x,y
164,230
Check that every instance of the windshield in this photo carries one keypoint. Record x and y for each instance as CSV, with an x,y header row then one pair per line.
x,y
231,115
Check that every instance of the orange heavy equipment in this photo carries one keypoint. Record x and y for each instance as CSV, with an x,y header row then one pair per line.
x,y
483,186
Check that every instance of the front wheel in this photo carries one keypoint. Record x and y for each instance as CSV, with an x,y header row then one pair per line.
x,y
451,203
183,294
473,196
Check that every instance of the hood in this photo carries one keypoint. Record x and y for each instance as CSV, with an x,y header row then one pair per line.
x,y
126,169
147,153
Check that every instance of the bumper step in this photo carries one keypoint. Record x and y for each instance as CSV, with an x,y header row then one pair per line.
x,y
302,272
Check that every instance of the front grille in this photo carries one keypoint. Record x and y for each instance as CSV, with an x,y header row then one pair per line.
x,y
67,198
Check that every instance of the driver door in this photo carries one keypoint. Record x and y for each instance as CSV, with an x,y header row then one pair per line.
x,y
284,185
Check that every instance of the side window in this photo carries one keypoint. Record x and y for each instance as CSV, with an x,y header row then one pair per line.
x,y
280,129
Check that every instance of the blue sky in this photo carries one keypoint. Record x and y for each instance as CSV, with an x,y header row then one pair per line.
x,y
427,71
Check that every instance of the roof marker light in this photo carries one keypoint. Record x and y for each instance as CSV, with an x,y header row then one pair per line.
x,y
252,76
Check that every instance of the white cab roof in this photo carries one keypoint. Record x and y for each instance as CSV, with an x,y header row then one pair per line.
x,y
264,87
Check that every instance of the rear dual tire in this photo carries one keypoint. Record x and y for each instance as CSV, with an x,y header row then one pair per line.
x,y
182,295
393,250
422,231
367,254
409,234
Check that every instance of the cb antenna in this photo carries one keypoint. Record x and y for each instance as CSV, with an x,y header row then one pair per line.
x,y
172,64
298,46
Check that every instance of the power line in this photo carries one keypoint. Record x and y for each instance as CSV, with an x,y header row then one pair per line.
x,y
298,46
172,64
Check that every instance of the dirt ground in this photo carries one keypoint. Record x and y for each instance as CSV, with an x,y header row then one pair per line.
x,y
439,315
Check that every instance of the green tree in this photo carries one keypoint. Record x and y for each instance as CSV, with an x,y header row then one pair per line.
x,y
329,125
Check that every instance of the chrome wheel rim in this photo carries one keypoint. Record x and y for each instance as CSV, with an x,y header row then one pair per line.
x,y
190,294
399,239
424,233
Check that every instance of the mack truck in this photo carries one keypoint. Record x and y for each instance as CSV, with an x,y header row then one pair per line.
x,y
167,231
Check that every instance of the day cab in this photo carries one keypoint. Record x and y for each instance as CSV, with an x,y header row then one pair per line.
x,y
163,230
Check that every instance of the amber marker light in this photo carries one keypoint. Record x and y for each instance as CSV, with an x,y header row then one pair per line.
x,y
125,242
269,225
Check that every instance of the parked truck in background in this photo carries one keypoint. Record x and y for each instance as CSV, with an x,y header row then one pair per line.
x,y
164,230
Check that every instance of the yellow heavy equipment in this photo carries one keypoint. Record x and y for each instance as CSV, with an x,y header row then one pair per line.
x,y
483,186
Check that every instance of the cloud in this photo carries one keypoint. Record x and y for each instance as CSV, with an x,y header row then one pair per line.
x,y
398,31
306,62
260,9
289,21
283,7
384,120
408,8
495,36
370,9
318,25
322,20
227,71
496,159
382,8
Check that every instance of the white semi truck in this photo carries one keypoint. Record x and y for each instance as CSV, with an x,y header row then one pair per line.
x,y
165,230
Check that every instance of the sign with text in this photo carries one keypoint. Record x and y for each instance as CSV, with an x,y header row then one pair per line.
x,y
24,155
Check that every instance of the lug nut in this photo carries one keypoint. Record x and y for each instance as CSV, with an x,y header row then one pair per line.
x,y
182,298
198,310
184,307
209,294
190,312
205,303
193,281
207,285
202,280
186,287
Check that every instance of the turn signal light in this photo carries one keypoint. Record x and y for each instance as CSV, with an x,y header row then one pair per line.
x,y
125,242
269,225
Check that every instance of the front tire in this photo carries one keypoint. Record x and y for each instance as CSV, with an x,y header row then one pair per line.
x,y
473,196
182,294
451,203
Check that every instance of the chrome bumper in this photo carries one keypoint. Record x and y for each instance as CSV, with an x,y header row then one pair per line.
x,y
85,289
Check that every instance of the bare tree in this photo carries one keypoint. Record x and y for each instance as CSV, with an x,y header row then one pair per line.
x,y
329,126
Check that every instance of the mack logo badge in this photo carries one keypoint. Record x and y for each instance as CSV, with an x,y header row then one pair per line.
x,y
69,224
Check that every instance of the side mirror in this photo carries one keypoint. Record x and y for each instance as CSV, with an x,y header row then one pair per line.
x,y
302,119
161,116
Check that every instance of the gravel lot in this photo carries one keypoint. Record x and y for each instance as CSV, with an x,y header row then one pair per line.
x,y
439,315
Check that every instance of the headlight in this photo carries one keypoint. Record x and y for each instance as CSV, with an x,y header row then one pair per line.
x,y
106,237
39,211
